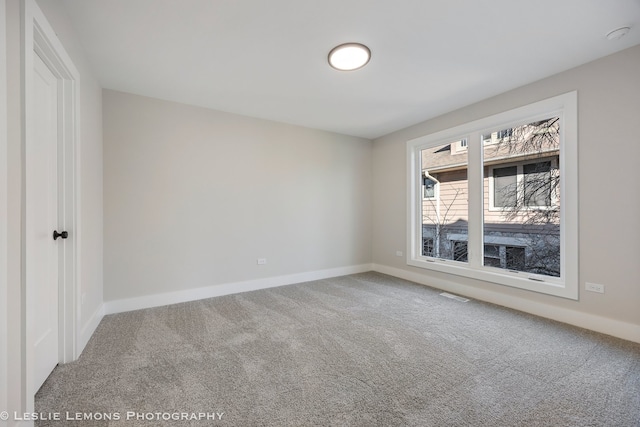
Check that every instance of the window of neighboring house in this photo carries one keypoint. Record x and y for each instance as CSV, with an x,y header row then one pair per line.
x,y
497,136
460,251
537,184
504,133
514,258
492,256
503,256
459,146
499,206
429,187
526,185
427,246
505,186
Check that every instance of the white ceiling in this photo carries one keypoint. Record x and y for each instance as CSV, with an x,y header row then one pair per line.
x,y
268,58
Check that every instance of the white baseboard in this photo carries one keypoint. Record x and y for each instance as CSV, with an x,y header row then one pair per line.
x,y
616,328
89,328
157,300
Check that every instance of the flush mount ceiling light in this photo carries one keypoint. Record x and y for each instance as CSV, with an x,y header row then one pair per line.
x,y
618,33
349,56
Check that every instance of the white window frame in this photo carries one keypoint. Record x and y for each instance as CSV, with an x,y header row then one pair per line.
x,y
567,285
519,177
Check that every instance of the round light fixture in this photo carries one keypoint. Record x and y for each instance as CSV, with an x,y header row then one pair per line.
x,y
349,56
617,34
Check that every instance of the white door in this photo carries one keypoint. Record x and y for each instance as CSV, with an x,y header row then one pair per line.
x,y
42,214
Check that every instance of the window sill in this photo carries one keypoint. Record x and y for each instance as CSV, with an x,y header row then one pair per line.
x,y
521,280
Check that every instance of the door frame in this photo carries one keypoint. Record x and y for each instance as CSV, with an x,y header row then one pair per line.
x,y
4,384
38,37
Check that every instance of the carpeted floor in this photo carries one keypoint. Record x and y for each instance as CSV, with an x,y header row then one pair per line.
x,y
360,350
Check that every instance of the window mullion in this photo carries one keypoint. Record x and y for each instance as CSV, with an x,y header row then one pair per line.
x,y
476,199
520,198
414,242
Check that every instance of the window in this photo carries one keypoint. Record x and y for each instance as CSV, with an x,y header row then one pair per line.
x,y
497,214
504,133
460,251
492,256
459,147
537,184
505,181
429,187
427,246
500,256
515,259
443,210
524,186
497,136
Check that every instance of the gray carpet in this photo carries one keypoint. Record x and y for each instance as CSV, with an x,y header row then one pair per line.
x,y
360,350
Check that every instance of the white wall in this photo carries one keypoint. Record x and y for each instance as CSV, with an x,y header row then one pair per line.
x,y
194,196
90,282
608,112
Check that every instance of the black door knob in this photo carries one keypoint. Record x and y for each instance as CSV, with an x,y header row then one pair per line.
x,y
64,234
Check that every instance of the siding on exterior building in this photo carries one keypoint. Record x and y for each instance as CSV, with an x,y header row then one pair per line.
x,y
452,196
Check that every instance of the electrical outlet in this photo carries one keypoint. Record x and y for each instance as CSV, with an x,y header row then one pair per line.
x,y
594,287
398,253
262,261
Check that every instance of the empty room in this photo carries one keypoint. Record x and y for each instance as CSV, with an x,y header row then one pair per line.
x,y
299,213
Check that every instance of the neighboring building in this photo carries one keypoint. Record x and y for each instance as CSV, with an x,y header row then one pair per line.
x,y
521,199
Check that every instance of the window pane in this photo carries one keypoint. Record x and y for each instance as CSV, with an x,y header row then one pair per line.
x,y
515,258
445,211
505,186
429,187
492,256
505,133
522,198
460,251
492,251
427,246
537,184
492,262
